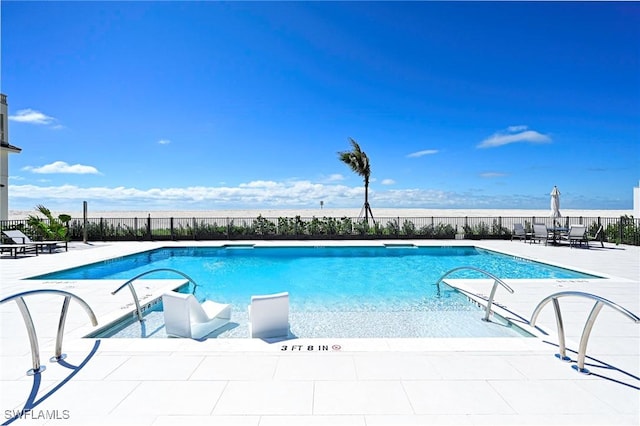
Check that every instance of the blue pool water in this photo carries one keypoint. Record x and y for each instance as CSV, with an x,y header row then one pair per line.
x,y
322,280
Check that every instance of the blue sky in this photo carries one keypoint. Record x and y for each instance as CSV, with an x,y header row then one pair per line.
x,y
208,105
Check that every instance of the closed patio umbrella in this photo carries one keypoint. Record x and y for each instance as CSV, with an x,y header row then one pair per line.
x,y
555,203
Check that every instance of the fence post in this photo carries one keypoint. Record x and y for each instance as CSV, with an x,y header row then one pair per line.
x,y
84,222
149,227
620,229
171,227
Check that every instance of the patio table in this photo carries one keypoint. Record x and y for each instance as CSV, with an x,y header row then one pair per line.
x,y
557,233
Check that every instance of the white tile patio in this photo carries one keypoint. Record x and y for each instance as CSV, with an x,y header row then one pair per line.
x,y
471,381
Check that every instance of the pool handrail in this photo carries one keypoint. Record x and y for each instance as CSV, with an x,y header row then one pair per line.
x,y
31,331
495,279
129,283
586,332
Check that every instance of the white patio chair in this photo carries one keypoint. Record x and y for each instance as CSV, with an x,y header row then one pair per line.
x,y
269,315
540,232
184,316
519,232
599,236
576,235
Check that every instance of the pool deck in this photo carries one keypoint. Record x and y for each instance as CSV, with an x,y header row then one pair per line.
x,y
450,381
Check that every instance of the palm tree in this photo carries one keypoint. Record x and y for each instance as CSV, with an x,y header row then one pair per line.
x,y
52,228
358,161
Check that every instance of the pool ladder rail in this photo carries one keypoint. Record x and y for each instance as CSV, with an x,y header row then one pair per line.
x,y
586,332
600,302
136,300
496,281
31,331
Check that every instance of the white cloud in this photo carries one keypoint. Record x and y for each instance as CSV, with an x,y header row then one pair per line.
x,y
289,194
514,134
164,141
515,129
251,195
492,174
260,184
62,167
335,177
32,117
279,195
388,182
422,153
258,193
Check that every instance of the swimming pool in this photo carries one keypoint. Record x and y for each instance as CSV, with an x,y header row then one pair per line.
x,y
367,291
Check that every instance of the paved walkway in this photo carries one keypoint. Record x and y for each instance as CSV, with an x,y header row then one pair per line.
x,y
483,381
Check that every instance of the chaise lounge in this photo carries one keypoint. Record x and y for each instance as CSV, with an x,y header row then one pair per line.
x,y
15,249
18,237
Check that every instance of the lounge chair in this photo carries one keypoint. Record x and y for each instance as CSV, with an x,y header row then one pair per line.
x,y
15,249
269,316
599,236
540,232
519,232
184,316
19,237
576,235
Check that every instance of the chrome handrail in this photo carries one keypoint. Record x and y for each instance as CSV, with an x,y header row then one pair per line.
x,y
586,332
31,330
496,281
135,295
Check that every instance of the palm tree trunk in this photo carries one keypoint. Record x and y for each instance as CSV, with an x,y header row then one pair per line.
x,y
367,207
366,202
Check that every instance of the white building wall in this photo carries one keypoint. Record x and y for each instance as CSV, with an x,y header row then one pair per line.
x,y
4,182
4,159
5,150
636,201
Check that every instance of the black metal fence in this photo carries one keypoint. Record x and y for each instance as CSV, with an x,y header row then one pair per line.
x,y
620,230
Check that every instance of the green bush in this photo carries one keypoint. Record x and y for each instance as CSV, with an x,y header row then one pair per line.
x,y
408,228
50,228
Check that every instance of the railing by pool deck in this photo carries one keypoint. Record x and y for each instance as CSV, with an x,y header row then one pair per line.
x,y
623,230
129,283
496,281
586,332
31,331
